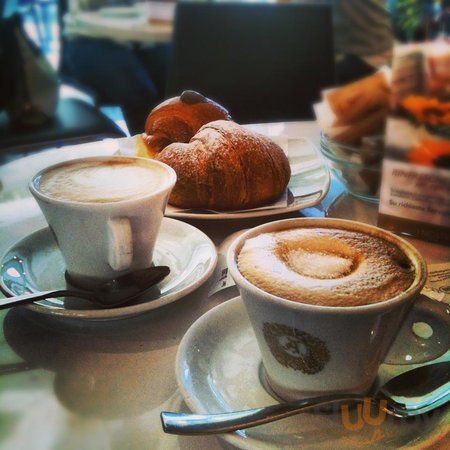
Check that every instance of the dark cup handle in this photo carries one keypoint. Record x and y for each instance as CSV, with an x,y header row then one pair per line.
x,y
417,343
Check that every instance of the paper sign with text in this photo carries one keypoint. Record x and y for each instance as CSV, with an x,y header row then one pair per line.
x,y
415,187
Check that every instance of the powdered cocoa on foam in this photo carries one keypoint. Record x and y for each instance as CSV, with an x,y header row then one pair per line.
x,y
326,266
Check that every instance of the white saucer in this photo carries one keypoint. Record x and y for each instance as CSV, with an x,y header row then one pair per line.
x,y
218,369
36,264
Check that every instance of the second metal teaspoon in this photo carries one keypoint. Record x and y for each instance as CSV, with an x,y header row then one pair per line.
x,y
412,393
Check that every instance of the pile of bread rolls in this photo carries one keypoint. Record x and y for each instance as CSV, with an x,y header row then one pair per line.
x,y
349,113
360,107
219,164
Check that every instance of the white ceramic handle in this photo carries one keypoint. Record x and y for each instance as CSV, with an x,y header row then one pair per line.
x,y
409,347
120,243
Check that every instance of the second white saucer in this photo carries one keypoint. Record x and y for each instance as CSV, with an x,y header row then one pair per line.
x,y
219,369
36,264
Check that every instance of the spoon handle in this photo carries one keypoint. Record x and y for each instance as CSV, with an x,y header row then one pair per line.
x,y
192,424
29,298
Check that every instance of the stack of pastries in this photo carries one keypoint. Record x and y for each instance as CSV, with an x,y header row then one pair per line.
x,y
219,164
360,108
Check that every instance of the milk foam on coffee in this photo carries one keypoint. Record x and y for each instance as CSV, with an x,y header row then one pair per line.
x,y
326,266
102,181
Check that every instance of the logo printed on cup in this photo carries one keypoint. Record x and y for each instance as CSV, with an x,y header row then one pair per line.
x,y
296,349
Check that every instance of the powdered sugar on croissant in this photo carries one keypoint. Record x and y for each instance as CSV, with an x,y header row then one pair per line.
x,y
226,166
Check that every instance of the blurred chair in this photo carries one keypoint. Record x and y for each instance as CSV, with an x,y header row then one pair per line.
x,y
263,62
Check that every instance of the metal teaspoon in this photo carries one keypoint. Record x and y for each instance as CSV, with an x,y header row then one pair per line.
x,y
114,292
412,393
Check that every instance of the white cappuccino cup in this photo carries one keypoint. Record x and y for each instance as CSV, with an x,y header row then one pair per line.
x,y
104,212
329,300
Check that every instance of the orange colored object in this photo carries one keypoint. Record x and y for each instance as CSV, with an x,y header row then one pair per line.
x,y
427,110
426,152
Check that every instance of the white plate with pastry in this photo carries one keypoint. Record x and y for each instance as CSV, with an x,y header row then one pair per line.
x,y
226,170
308,184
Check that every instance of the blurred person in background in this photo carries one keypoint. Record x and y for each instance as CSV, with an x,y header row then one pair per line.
x,y
118,72
363,37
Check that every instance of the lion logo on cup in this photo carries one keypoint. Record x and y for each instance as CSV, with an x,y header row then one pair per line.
x,y
296,349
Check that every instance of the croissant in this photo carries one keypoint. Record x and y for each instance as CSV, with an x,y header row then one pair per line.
x,y
177,120
226,167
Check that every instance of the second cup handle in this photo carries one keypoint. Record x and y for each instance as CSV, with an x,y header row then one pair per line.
x,y
409,347
120,243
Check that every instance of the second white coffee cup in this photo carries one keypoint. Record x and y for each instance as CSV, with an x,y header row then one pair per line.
x,y
105,213
309,348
